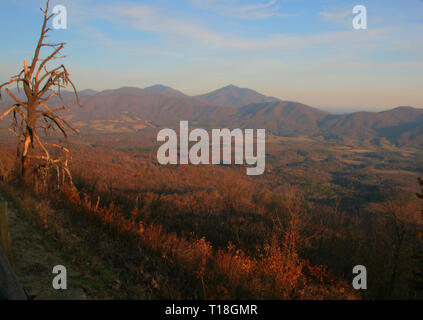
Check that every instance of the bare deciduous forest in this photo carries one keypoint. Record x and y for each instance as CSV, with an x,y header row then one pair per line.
x,y
200,232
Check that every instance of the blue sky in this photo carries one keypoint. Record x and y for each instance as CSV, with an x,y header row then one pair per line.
x,y
299,50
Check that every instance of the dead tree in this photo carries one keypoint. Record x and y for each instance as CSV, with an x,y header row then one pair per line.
x,y
32,115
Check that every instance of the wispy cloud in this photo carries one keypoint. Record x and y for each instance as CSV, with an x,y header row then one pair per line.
x,y
144,18
257,10
339,16
186,30
155,20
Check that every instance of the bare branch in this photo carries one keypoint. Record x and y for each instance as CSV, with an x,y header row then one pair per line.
x,y
8,112
18,102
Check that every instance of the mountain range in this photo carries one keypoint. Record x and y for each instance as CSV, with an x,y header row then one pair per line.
x,y
130,108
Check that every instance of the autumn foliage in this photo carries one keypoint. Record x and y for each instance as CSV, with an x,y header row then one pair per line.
x,y
210,232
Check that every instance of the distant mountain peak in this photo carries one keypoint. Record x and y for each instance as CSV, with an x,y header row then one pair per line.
x,y
158,87
231,86
164,90
233,96
401,108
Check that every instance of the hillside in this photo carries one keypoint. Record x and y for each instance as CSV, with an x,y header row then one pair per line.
x,y
39,244
400,125
282,118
